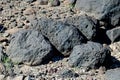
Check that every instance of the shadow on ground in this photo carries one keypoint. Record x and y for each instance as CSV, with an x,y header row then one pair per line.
x,y
115,63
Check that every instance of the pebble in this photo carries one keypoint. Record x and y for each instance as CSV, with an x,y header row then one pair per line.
x,y
5,34
2,68
21,77
101,70
2,39
4,44
29,11
54,3
2,77
20,25
13,16
13,24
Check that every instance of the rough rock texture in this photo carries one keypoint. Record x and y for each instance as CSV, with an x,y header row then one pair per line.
x,y
87,25
63,36
16,15
43,2
90,55
107,10
113,74
114,34
29,47
54,2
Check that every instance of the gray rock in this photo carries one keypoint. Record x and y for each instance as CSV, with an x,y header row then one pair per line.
x,y
13,24
113,74
1,28
66,73
30,77
63,36
20,24
43,2
20,77
106,10
87,25
54,2
1,54
114,34
90,55
2,77
29,47
72,2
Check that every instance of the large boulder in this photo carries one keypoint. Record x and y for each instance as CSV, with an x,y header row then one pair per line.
x,y
90,55
30,47
106,10
87,25
114,34
63,36
113,74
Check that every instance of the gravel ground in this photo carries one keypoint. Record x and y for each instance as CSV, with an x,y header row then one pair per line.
x,y
16,15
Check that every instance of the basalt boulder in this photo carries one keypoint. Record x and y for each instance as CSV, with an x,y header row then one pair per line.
x,y
87,25
89,55
30,47
63,36
105,10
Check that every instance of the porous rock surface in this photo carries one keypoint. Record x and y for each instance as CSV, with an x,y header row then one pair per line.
x,y
106,10
63,36
90,55
29,47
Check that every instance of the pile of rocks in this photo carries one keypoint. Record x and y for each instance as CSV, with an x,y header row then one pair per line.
x,y
45,40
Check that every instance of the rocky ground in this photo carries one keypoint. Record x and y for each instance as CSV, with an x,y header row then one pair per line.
x,y
16,15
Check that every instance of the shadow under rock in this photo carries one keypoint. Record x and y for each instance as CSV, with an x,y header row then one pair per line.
x,y
102,37
2,28
56,55
115,63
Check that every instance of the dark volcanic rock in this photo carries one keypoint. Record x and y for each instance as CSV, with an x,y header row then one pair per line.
x,y
1,54
114,34
1,28
113,74
63,36
87,25
29,47
106,10
90,55
66,73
